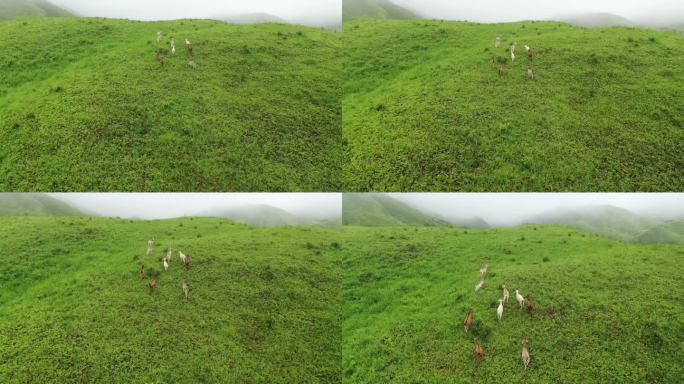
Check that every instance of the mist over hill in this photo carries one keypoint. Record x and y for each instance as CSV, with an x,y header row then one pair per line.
x,y
251,18
34,204
371,209
12,9
594,20
262,215
375,9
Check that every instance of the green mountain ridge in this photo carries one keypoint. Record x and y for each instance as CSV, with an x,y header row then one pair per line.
x,y
264,215
14,9
34,204
380,210
424,110
85,106
374,9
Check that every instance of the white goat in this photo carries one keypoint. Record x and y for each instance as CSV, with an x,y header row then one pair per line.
x,y
182,256
185,288
506,294
530,74
525,354
150,245
479,285
498,41
499,311
159,36
527,48
483,270
519,298
512,56
166,265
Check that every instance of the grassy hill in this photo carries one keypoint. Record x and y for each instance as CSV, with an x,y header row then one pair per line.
x,y
668,232
13,9
263,305
606,311
424,110
595,20
374,9
85,106
34,204
269,216
382,210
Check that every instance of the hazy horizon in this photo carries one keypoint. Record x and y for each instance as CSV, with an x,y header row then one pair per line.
x,y
308,12
656,12
509,209
152,206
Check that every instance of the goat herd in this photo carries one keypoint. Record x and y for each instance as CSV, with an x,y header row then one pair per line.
x,y
501,67
527,301
185,259
172,43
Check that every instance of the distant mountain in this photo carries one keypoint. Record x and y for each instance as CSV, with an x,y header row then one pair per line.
x,y
595,20
268,216
12,9
375,210
374,9
251,18
668,232
34,204
605,219
468,222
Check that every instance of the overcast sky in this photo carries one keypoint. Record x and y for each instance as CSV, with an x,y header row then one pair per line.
x,y
513,208
514,10
169,205
310,12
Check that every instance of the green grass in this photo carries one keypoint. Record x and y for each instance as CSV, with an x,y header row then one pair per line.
x,y
606,311
12,9
85,106
263,307
423,110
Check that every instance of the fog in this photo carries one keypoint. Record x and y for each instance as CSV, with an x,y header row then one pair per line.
x,y
653,12
308,12
169,205
504,209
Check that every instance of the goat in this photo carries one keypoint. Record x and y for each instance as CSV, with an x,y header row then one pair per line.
x,y
530,74
467,323
192,64
173,50
185,288
162,61
483,270
169,253
498,41
530,305
525,354
502,69
513,47
479,285
141,271
173,43
512,56
186,262
479,351
150,242
529,54
159,36
527,48
506,294
188,46
493,63
166,265
519,298
499,311
182,256
153,285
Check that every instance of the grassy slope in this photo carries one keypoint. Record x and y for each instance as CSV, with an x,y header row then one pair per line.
x,y
11,9
84,105
381,210
423,110
668,232
374,9
29,204
606,311
263,307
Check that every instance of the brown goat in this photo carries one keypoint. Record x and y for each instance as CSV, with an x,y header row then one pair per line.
x,y
479,351
153,285
467,323
162,61
530,305
186,262
493,63
502,69
529,54
189,48
141,271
